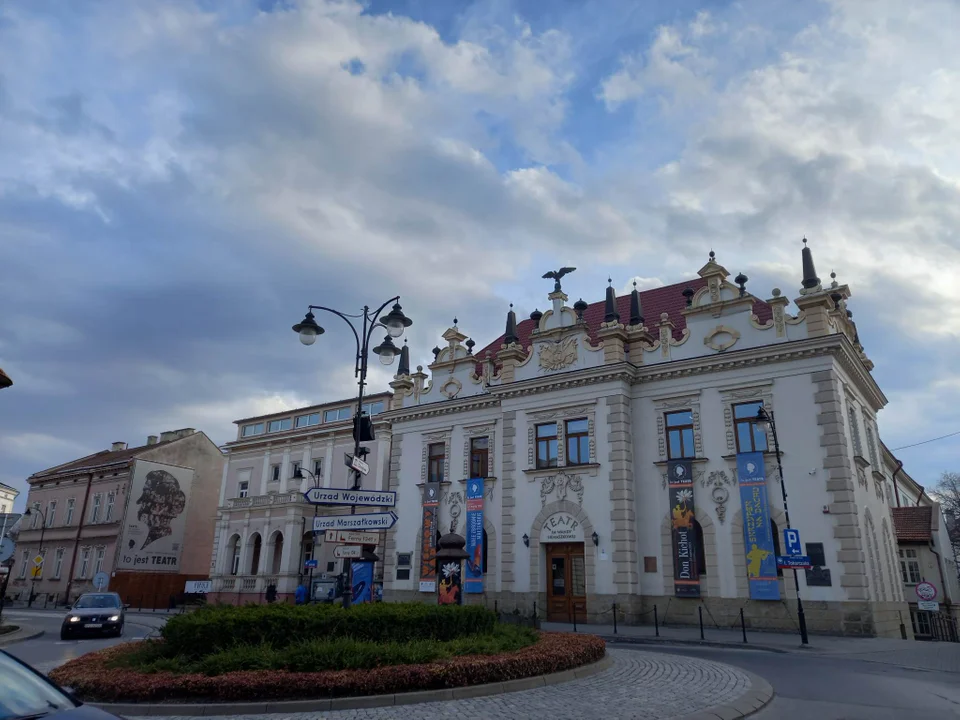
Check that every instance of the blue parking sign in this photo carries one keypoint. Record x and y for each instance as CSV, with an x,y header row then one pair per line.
x,y
791,541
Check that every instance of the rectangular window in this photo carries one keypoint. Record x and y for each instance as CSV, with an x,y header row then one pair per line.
x,y
294,469
98,562
818,558
479,457
578,442
24,559
403,566
872,448
51,513
318,468
909,567
374,408
36,516
243,488
436,455
854,430
275,473
547,445
235,563
750,438
308,420
680,434
84,563
95,510
57,563
255,429
339,414
71,503
111,499
331,566
279,425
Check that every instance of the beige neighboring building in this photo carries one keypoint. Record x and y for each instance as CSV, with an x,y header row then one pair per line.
x,y
142,515
264,525
7,496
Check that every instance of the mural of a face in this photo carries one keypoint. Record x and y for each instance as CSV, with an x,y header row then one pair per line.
x,y
160,503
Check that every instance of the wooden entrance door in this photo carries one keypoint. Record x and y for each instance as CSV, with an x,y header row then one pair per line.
x,y
566,582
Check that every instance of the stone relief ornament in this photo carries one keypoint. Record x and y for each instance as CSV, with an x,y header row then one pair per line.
x,y
718,481
721,338
558,355
861,477
561,483
455,500
451,388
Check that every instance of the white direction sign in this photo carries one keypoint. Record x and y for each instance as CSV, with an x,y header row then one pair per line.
x,y
352,538
366,521
357,464
345,496
352,552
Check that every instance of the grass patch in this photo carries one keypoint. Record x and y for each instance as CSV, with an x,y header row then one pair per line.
x,y
339,653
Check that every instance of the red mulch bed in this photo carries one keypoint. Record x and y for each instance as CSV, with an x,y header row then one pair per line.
x,y
91,678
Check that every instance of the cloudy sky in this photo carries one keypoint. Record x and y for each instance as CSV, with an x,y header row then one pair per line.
x,y
179,179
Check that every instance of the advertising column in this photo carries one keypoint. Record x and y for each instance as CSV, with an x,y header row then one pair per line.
x,y
686,576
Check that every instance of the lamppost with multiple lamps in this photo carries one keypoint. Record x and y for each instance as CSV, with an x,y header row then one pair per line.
x,y
43,526
298,475
394,322
764,419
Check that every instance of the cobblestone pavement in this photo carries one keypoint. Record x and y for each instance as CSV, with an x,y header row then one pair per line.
x,y
638,685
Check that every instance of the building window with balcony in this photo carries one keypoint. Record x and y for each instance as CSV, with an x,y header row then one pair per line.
x,y
479,457
275,473
680,442
95,510
111,499
57,563
84,563
98,561
546,438
254,429
243,488
750,436
436,454
71,503
294,469
318,468
578,441
909,566
51,513
279,425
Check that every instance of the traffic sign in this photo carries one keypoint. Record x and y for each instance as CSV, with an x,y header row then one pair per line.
x,y
310,564
37,569
926,591
100,580
796,562
6,549
929,605
343,496
352,538
343,552
791,541
357,464
365,521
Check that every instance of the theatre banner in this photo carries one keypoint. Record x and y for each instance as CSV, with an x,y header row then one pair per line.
x,y
757,532
686,578
428,537
473,577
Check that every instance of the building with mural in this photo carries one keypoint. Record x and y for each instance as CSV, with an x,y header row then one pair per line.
x,y
264,527
142,515
620,460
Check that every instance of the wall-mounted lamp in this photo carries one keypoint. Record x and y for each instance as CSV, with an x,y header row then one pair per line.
x,y
526,540
596,539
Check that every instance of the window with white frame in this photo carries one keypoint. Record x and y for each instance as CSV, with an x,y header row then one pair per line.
x,y
36,516
84,566
57,563
71,504
318,467
95,508
279,425
872,446
24,559
909,566
275,473
294,468
51,513
98,561
243,488
344,413
373,408
854,430
308,420
111,499
235,562
252,429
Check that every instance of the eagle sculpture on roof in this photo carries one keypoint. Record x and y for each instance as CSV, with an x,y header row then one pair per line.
x,y
556,275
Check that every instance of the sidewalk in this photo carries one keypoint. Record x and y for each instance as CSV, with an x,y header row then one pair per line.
x,y
938,656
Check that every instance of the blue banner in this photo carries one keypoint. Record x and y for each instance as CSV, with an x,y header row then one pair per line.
x,y
362,580
473,577
757,533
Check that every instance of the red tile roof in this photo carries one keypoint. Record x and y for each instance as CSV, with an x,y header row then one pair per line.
x,y
912,524
104,457
668,299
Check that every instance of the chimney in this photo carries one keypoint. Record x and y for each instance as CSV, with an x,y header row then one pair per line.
x,y
151,439
118,446
167,436
186,432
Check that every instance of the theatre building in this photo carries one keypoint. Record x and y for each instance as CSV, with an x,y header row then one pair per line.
x,y
622,460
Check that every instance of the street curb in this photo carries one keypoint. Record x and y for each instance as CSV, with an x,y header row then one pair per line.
x,y
354,703
627,640
24,633
756,698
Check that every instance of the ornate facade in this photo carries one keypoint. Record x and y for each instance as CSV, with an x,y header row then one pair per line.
x,y
574,416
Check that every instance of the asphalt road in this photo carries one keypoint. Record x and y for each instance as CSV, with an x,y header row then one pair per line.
x,y
836,688
48,651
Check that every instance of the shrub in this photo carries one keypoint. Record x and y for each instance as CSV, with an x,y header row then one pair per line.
x,y
215,628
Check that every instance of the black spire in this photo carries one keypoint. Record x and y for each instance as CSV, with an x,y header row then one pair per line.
x,y
810,279
404,368
635,314
510,336
610,313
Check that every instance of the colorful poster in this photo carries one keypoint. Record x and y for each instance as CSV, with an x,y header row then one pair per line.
x,y
757,532
428,537
473,576
686,577
156,518
362,580
450,583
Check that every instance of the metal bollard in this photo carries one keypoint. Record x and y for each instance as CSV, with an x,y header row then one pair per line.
x,y
496,607
656,622
743,626
614,618
534,613
575,618
903,628
140,608
700,613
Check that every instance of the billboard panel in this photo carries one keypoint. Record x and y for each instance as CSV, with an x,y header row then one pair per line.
x,y
152,534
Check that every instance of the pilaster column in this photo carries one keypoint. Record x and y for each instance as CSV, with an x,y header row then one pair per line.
x,y
265,475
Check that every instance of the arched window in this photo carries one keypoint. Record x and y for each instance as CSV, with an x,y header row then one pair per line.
x,y
701,550
776,543
484,552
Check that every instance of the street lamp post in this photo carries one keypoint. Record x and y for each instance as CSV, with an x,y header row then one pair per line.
x,y
43,526
298,475
763,419
394,322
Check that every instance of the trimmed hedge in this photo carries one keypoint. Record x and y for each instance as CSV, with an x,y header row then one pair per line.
x,y
214,628
95,676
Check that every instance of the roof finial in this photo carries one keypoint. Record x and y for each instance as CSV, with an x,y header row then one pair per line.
x,y
579,307
713,255
510,336
636,317
404,368
688,294
610,313
810,279
454,322
741,281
